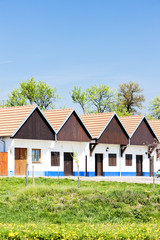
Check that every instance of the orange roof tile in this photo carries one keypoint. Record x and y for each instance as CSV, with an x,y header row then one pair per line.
x,y
12,117
96,122
130,123
155,124
57,117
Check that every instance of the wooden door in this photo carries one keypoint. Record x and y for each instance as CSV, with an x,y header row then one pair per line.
x,y
139,160
99,164
20,161
3,164
151,166
86,165
68,164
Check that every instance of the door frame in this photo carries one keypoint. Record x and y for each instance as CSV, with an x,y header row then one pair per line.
x,y
71,158
85,165
3,163
15,161
151,167
96,169
141,164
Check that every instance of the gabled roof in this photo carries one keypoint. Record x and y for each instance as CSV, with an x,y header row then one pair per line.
x,y
131,123
155,124
60,116
12,117
97,122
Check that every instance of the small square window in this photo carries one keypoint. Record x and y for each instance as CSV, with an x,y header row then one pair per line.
x,y
128,159
36,155
55,159
112,159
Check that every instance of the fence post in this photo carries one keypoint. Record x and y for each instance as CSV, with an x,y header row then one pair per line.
x,y
26,174
33,174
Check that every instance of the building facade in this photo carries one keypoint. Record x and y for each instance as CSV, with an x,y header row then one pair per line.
x,y
48,142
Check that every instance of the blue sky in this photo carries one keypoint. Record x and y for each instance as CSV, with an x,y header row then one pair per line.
x,y
80,42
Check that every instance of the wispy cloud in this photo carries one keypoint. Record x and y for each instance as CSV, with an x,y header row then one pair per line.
x,y
6,62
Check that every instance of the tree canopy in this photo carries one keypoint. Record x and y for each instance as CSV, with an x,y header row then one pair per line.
x,y
94,99
32,91
100,98
79,97
131,97
154,107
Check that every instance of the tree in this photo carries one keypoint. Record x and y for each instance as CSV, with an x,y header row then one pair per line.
x,y
79,97
76,159
120,110
15,99
94,99
101,98
32,91
29,89
130,96
154,108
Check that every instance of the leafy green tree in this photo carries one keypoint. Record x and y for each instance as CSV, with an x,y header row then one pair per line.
x,y
28,89
154,108
120,110
15,99
79,97
149,117
32,91
131,97
45,96
94,99
101,98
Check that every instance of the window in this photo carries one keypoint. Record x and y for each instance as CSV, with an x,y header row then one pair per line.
x,y
128,159
112,159
36,155
55,159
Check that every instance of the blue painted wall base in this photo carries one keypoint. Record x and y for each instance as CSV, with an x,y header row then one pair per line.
x,y
147,174
90,174
111,174
46,174
129,174
81,174
10,173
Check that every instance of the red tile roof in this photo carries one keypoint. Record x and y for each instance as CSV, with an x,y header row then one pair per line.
x,y
12,117
155,124
96,122
57,117
130,123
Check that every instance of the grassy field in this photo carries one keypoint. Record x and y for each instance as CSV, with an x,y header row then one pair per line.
x,y
55,209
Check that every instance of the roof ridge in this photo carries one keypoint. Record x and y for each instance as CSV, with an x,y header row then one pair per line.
x,y
104,113
22,106
131,116
153,120
61,109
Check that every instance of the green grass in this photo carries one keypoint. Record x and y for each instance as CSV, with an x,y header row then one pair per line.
x,y
60,202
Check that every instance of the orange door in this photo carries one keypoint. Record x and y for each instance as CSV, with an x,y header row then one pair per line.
x,y
20,161
3,164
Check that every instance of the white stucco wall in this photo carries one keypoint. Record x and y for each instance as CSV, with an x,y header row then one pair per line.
x,y
121,168
46,147
82,149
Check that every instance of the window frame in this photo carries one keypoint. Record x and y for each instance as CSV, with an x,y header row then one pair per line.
x,y
128,160
57,160
110,164
35,156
